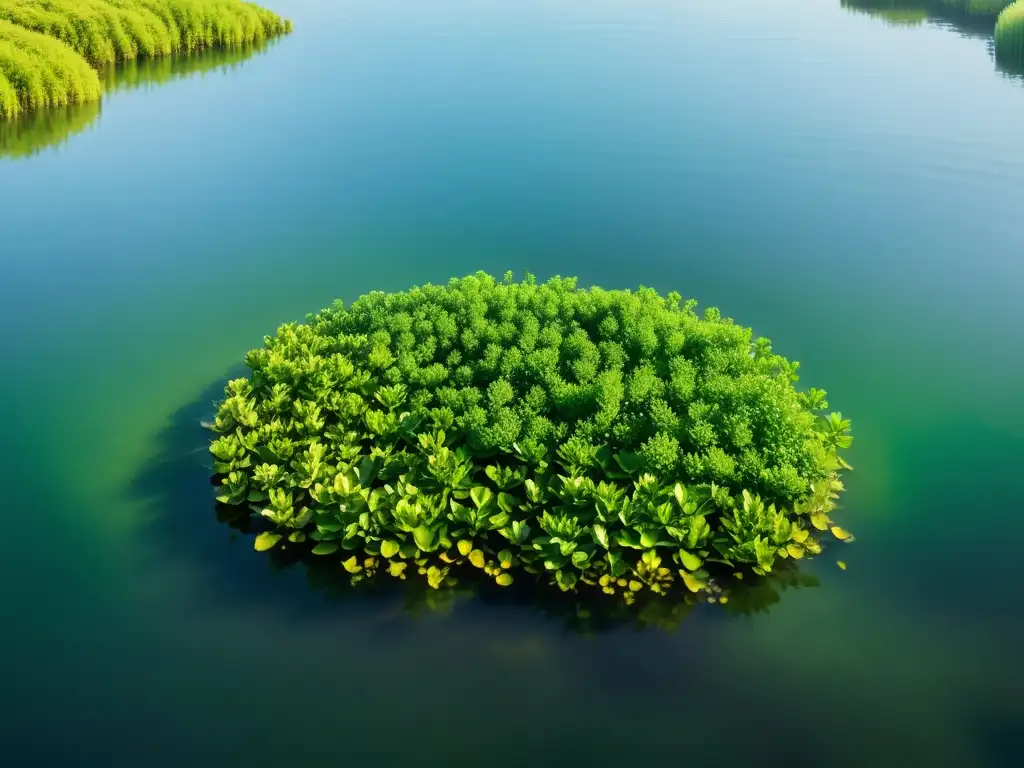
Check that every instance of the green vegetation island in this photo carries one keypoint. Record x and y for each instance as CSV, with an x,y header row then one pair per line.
x,y
1007,15
52,51
605,439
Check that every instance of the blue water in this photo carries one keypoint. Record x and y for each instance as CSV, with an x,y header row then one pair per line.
x,y
849,188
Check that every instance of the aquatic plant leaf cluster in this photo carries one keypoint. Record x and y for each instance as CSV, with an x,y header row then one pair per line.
x,y
610,438
49,49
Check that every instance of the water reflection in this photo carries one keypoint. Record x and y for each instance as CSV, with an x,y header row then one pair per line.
x,y
964,18
217,539
939,12
51,128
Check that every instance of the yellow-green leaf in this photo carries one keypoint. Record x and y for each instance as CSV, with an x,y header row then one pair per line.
x,y
397,569
476,557
689,560
504,579
820,521
389,548
692,582
841,534
266,540
841,564
800,535
794,551
465,547
352,565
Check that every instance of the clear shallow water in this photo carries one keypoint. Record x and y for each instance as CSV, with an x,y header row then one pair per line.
x,y
851,189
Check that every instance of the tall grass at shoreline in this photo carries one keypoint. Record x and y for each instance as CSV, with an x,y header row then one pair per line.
x,y
1010,36
47,46
37,71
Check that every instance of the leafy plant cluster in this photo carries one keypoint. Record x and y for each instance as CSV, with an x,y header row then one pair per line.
x,y
50,49
607,438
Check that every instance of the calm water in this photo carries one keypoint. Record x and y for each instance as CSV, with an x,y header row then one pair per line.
x,y
852,189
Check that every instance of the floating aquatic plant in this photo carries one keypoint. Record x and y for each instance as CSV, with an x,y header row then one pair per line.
x,y
610,439
47,46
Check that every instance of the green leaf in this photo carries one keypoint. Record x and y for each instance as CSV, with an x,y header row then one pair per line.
x,y
841,534
680,494
693,582
600,534
631,463
689,560
648,539
326,548
389,548
481,496
425,538
266,540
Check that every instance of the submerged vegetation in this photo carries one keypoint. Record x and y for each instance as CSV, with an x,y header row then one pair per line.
x,y
608,439
50,49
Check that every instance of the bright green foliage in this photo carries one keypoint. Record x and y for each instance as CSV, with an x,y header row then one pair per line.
x,y
46,46
37,71
1010,35
609,438
105,31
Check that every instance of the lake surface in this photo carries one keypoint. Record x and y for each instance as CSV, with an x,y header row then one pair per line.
x,y
851,188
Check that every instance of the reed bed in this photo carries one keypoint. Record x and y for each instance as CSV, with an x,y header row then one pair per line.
x,y
50,49
37,71
107,31
1010,36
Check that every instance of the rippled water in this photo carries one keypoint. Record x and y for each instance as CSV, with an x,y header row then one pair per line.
x,y
850,188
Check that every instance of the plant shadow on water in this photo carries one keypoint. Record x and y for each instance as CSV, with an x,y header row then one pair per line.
x,y
44,129
187,523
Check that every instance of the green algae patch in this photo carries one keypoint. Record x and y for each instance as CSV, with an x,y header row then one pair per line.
x,y
1010,36
604,439
50,49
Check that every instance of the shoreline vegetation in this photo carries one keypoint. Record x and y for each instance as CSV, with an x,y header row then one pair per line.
x,y
42,129
52,51
594,440
1003,19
